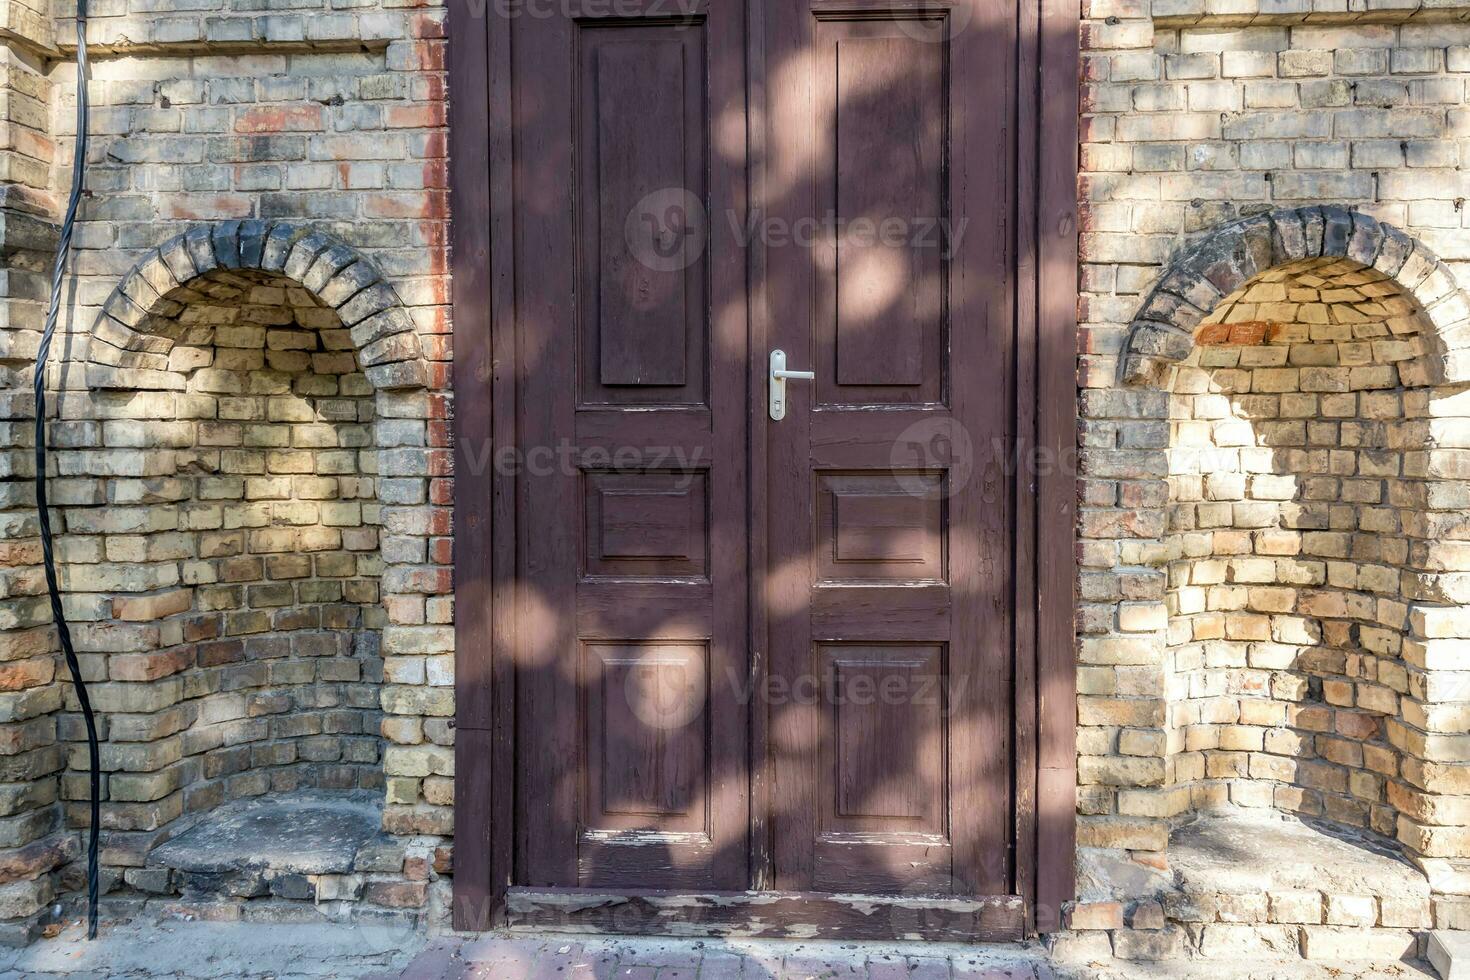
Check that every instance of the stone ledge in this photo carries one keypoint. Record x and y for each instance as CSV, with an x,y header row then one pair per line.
x,y
1241,852
307,833
189,49
1258,885
221,31
1287,13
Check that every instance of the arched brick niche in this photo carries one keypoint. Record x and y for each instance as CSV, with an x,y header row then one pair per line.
x,y
143,319
1219,264
228,534
1274,545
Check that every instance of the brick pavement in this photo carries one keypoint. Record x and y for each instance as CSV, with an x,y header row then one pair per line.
x,y
583,958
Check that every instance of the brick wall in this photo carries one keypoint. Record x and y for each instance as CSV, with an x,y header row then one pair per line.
x,y
253,499
329,115
1253,630
1290,431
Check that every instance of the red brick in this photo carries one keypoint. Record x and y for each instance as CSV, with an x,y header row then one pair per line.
x,y
413,204
1248,334
426,116
223,652
202,628
204,207
1356,725
23,674
1096,915
1213,334
150,666
280,119
20,552
396,894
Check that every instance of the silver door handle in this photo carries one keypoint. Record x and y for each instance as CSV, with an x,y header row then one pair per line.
x,y
779,377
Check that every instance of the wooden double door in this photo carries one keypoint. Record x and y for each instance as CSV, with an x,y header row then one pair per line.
x,y
758,648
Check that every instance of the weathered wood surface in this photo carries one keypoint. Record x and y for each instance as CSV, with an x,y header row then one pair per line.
x,y
776,915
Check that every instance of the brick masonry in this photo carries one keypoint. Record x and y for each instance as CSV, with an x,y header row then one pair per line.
x,y
1272,400
255,497
252,500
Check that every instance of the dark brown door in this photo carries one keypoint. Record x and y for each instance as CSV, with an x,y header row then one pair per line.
x,y
890,566
881,251
631,600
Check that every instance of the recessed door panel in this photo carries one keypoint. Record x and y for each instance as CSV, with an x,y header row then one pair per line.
x,y
888,710
881,525
646,736
647,524
641,154
882,267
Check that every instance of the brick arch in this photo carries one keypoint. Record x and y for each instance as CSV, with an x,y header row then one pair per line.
x,y
1162,332
131,339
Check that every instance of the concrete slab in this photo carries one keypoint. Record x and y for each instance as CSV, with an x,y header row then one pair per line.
x,y
256,951
310,832
1449,953
217,951
1252,852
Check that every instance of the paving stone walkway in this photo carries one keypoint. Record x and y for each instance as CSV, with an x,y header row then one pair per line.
x,y
582,958
179,950
585,958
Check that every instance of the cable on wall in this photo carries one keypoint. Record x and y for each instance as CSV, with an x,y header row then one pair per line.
x,y
63,254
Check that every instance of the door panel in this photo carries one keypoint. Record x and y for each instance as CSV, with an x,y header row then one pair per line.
x,y
889,542
633,508
880,313
641,141
887,754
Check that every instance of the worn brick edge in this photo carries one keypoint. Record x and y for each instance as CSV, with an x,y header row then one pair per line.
x,y
130,339
1162,332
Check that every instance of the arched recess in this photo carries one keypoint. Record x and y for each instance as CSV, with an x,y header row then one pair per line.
x,y
138,326
257,466
1278,626
1162,332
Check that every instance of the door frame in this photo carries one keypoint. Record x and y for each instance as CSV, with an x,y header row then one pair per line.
x,y
1045,247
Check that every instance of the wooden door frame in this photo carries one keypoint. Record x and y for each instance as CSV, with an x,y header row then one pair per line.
x,y
1046,252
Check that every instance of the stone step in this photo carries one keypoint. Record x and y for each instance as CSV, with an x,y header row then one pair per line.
x,y
1226,941
308,847
1449,952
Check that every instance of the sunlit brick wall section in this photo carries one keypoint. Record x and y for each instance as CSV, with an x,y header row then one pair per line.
x,y
330,117
1292,492
223,575
1191,120
1272,546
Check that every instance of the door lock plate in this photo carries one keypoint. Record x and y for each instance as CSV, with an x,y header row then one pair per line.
x,y
777,383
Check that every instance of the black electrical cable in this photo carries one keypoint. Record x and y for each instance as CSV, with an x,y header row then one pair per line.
x,y
63,253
